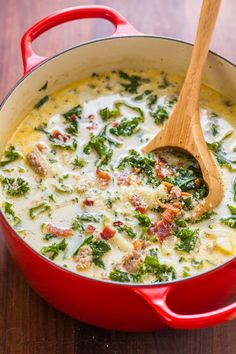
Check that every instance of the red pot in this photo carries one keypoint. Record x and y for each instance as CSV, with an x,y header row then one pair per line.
x,y
195,302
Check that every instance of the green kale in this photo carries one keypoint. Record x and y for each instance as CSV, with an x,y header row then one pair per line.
x,y
107,114
101,145
142,96
99,248
188,239
151,101
84,217
126,127
48,236
185,178
72,118
145,164
231,220
164,83
15,187
11,155
234,189
162,272
160,115
132,81
78,163
10,213
206,216
102,148
144,220
214,124
54,249
221,155
41,102
124,277
127,230
61,140
39,209
44,87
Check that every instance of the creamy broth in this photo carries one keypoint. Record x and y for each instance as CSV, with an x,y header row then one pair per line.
x,y
76,187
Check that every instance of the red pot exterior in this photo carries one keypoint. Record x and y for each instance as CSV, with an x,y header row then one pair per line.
x,y
189,303
115,306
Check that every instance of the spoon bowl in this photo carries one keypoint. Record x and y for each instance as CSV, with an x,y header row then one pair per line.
x,y
183,128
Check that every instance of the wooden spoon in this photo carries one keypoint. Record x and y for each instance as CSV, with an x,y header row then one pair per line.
x,y
183,129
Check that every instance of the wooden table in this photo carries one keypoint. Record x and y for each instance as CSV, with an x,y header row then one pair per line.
x,y
28,325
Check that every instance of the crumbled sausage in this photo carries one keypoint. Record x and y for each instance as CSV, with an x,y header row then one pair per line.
x,y
37,162
84,258
132,261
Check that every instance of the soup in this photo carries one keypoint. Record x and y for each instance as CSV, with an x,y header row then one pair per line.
x,y
77,188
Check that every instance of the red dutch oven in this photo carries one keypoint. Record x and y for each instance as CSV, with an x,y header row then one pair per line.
x,y
199,301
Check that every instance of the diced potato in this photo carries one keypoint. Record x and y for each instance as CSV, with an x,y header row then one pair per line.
x,y
224,244
120,242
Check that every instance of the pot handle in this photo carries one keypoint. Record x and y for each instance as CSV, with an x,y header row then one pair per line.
x,y
30,59
180,321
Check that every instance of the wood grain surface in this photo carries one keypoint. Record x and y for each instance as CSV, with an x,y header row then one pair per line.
x,y
28,325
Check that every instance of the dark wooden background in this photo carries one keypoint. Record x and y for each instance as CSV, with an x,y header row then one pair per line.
x,y
27,324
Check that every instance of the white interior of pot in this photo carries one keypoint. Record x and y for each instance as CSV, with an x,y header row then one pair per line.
x,y
103,56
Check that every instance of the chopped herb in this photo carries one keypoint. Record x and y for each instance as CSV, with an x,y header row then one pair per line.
x,y
11,155
54,249
72,118
41,102
144,220
44,87
39,209
124,277
15,187
160,115
127,230
79,163
132,81
10,213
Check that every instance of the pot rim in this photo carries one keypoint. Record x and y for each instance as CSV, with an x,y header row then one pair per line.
x,y
47,260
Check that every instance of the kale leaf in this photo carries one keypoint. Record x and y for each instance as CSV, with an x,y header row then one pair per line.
x,y
15,187
10,213
124,277
132,81
72,118
39,209
54,249
11,155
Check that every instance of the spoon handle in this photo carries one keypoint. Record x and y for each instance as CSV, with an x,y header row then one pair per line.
x,y
192,83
